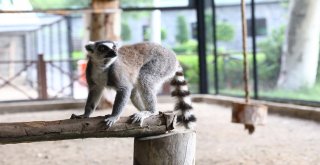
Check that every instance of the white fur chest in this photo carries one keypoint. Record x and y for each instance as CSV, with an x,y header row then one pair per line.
x,y
100,77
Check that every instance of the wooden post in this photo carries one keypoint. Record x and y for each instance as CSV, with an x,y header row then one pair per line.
x,y
176,148
103,26
42,78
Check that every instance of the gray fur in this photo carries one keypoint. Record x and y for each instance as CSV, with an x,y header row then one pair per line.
x,y
134,71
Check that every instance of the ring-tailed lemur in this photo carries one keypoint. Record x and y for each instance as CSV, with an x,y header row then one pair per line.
x,y
136,72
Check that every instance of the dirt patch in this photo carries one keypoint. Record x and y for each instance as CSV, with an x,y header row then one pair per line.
x,y
281,141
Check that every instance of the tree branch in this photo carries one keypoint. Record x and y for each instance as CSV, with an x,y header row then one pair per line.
x,y
83,128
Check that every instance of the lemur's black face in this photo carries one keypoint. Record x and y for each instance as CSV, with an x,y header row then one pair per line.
x,y
101,50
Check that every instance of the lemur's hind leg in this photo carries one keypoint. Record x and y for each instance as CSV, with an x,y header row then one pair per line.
x,y
136,99
148,92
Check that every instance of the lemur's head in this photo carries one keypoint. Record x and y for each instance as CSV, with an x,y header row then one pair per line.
x,y
102,52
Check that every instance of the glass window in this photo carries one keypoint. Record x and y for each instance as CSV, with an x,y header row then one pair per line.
x,y
176,34
261,27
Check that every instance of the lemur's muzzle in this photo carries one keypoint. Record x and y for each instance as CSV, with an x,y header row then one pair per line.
x,y
110,54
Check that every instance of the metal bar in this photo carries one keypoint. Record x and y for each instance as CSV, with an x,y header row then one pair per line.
x,y
70,50
26,51
191,3
42,78
215,48
43,39
59,26
254,51
50,43
36,43
203,79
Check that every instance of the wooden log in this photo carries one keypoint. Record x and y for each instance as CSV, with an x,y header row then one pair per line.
x,y
176,148
249,114
83,128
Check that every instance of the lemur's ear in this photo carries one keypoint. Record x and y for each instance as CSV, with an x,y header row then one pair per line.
x,y
89,46
115,46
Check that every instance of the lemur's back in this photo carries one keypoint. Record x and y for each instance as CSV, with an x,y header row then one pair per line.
x,y
147,57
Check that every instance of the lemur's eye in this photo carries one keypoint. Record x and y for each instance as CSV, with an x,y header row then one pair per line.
x,y
102,48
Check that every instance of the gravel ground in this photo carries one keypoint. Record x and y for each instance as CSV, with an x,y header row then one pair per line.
x,y
281,141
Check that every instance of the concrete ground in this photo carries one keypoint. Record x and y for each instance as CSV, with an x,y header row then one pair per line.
x,y
281,141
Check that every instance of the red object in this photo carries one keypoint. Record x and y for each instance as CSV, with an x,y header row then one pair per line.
x,y
82,65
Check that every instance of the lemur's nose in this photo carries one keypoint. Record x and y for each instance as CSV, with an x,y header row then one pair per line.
x,y
89,48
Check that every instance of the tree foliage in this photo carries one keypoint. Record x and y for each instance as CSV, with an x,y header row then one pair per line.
x,y
271,47
125,31
59,4
135,3
225,31
182,35
147,34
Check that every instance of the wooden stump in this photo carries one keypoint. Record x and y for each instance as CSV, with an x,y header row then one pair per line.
x,y
249,114
176,148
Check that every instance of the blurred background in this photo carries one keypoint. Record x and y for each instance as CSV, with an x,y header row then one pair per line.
x,y
42,65
42,56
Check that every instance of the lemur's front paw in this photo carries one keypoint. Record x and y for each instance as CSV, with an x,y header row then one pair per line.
x,y
140,116
74,116
110,120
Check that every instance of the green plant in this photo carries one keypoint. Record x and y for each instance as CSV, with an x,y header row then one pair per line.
x,y
269,69
186,48
163,34
77,55
125,31
182,28
59,4
190,66
147,34
225,31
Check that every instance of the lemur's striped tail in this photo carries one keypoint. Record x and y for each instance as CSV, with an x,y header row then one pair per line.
x,y
183,106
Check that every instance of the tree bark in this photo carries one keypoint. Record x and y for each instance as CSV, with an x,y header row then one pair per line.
x,y
299,59
83,128
176,148
103,26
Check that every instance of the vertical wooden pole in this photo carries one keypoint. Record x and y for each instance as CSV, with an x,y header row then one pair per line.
x,y
103,26
42,78
177,148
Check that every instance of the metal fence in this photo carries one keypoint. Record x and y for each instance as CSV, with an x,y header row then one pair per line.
x,y
42,79
37,63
